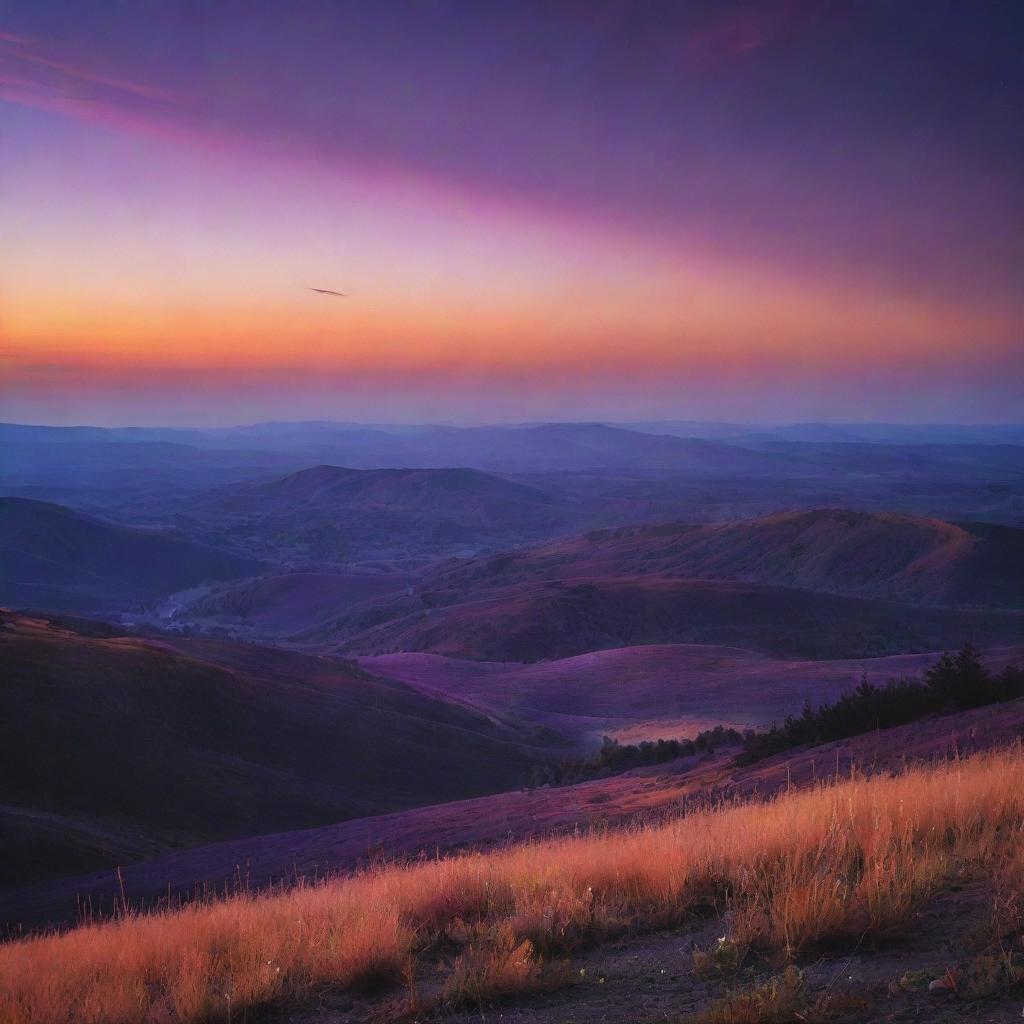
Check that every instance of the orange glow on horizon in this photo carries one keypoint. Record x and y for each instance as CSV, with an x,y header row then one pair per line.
x,y
182,265
657,324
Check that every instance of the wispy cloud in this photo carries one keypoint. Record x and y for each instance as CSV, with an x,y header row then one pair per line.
x,y
72,74
32,77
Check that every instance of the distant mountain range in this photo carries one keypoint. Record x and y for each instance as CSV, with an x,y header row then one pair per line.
x,y
46,452
874,433
601,475
296,435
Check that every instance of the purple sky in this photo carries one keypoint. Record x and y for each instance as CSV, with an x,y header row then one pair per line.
x,y
538,209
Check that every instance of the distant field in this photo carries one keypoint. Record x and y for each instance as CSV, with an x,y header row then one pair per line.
x,y
644,692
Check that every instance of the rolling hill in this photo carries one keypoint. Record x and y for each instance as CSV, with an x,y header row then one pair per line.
x,y
822,584
561,618
55,558
879,555
601,475
475,498
655,690
112,746
330,514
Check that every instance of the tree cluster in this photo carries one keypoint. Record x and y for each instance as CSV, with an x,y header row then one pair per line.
x,y
615,758
954,682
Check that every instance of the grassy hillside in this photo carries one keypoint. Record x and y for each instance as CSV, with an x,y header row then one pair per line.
x,y
830,871
640,796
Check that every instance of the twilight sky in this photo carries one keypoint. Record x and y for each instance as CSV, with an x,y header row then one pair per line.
x,y
537,210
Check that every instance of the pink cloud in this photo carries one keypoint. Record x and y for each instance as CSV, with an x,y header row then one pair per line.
x,y
15,81
92,78
36,79
31,78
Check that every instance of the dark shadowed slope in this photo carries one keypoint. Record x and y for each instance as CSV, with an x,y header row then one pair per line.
x,y
111,745
881,555
557,619
52,557
283,605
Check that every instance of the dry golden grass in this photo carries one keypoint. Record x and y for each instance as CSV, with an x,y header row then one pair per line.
x,y
776,1001
495,964
832,864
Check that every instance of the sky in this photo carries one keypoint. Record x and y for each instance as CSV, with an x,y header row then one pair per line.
x,y
590,209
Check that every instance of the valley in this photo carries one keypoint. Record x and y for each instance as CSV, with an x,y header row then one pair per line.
x,y
255,670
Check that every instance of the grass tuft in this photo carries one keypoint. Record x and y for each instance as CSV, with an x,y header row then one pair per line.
x,y
776,1001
